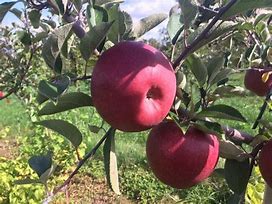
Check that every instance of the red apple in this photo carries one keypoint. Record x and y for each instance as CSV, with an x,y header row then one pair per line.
x,y
265,162
181,160
1,94
133,86
253,81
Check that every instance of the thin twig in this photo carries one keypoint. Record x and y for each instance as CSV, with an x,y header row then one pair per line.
x,y
19,83
204,33
236,136
82,78
81,162
173,52
262,110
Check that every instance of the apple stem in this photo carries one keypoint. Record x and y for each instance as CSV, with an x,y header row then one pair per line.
x,y
267,195
187,50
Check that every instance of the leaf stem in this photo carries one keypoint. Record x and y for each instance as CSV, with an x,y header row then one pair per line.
x,y
204,33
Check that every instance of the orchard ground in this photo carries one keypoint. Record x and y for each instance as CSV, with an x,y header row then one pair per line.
x,y
138,184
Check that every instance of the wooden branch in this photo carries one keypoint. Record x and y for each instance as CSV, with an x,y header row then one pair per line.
x,y
204,33
237,136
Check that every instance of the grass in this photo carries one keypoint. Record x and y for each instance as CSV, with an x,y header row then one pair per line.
x,y
137,181
13,115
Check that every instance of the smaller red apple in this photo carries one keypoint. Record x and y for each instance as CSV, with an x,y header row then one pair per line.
x,y
265,162
2,94
253,81
181,160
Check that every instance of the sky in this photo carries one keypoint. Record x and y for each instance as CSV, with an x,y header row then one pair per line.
x,y
136,8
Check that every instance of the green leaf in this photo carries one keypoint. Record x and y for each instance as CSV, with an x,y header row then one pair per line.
x,y
4,8
24,37
93,38
110,162
52,47
94,128
40,163
181,79
41,98
118,27
91,16
103,2
96,15
219,76
262,17
237,175
77,4
188,12
67,102
235,199
66,129
147,23
53,90
246,5
209,127
175,27
229,150
34,17
50,51
222,112
46,175
198,68
63,33
40,36
16,12
128,25
213,66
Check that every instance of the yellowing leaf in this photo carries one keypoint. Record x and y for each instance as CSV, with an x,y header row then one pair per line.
x,y
265,77
256,62
269,55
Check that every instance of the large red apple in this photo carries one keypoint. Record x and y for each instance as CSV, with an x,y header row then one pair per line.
x,y
253,81
181,160
133,86
265,162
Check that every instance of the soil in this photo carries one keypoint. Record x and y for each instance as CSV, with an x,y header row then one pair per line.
x,y
85,189
8,148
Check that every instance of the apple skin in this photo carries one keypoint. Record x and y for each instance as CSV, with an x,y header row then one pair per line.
x,y
133,86
265,162
181,160
2,94
253,81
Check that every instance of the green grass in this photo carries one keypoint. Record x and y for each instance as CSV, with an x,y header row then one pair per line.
x,y
13,115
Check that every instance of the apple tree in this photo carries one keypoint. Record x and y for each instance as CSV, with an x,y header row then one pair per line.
x,y
175,92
